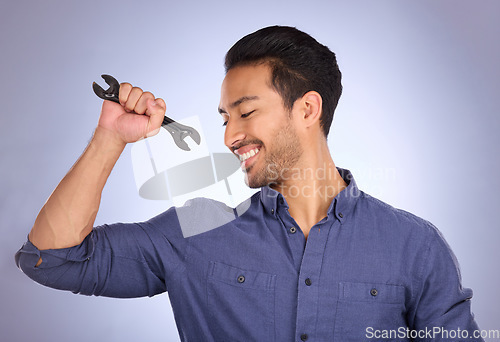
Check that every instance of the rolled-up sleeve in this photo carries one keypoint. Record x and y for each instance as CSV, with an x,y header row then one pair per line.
x,y
442,304
121,260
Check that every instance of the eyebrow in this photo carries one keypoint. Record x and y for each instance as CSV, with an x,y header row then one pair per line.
x,y
238,102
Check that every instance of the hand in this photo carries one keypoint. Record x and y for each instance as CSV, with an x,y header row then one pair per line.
x,y
139,115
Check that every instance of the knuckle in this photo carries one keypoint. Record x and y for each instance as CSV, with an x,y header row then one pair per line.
x,y
137,90
124,91
148,94
162,104
142,102
133,98
145,97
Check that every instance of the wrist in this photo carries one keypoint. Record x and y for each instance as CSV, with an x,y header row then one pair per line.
x,y
108,140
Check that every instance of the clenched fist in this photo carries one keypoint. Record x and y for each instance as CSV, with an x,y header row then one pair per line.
x,y
139,115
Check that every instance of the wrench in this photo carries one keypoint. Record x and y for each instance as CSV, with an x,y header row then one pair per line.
x,y
178,131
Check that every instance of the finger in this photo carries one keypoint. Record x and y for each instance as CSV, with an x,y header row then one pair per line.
x,y
162,104
141,106
133,98
156,111
123,93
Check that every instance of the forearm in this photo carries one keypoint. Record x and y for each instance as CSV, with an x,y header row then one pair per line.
x,y
69,213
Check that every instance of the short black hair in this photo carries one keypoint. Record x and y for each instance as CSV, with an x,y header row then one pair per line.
x,y
298,64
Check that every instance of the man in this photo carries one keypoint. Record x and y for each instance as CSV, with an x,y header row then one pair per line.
x,y
308,258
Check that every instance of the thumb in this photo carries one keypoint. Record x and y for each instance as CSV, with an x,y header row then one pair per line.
x,y
156,111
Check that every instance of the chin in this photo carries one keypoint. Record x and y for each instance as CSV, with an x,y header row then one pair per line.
x,y
249,182
253,183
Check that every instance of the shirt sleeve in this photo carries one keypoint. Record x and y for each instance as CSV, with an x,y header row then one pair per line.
x,y
121,260
442,304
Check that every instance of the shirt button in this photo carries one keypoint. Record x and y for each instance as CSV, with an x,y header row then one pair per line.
x,y
373,292
272,211
281,200
293,230
341,215
308,282
304,337
241,279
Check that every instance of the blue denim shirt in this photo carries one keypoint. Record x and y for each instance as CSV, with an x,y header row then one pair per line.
x,y
367,272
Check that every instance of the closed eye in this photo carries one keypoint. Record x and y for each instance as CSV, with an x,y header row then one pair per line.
x,y
247,114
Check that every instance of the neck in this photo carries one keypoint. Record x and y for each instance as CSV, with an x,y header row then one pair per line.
x,y
309,190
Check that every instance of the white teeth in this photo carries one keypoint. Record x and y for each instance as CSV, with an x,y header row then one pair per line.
x,y
249,154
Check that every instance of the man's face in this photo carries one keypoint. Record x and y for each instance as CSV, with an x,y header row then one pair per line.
x,y
259,130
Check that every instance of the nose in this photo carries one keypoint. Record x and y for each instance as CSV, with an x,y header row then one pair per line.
x,y
234,133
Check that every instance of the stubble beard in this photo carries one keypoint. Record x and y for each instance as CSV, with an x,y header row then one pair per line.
x,y
284,154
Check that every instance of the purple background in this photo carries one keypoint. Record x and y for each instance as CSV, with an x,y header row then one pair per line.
x,y
417,125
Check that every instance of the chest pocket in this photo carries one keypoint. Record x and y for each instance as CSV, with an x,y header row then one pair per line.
x,y
367,310
241,303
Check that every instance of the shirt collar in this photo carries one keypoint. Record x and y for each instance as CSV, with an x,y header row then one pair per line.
x,y
341,206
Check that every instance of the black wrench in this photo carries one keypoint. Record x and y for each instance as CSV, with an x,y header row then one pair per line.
x,y
177,130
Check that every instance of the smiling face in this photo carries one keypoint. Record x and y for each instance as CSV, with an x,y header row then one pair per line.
x,y
259,130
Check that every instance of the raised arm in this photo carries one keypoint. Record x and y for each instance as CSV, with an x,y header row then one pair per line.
x,y
69,214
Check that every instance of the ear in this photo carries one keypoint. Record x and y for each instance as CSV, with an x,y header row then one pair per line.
x,y
312,107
